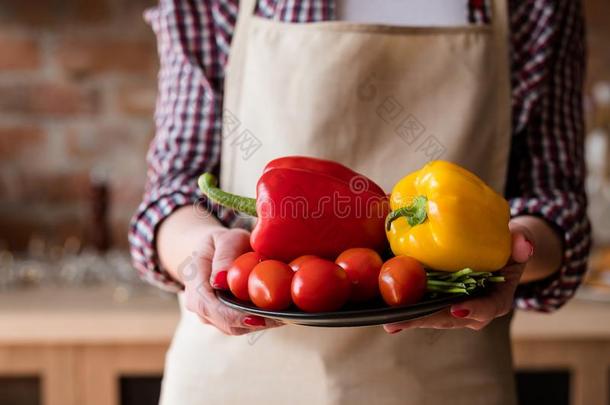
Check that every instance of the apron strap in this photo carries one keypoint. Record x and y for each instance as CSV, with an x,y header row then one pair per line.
x,y
247,6
501,34
499,16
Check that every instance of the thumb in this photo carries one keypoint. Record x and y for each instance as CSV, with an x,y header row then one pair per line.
x,y
228,245
522,245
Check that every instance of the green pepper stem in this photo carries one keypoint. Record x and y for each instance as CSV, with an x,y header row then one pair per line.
x,y
461,273
415,212
445,283
465,281
451,290
208,185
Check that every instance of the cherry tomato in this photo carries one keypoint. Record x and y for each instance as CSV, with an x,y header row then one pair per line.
x,y
320,286
402,281
362,266
238,273
269,285
298,262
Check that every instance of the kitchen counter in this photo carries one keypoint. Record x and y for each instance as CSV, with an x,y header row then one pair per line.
x,y
575,339
92,315
80,342
578,319
86,316
42,328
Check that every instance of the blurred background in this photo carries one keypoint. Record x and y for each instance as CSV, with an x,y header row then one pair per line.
x,y
77,94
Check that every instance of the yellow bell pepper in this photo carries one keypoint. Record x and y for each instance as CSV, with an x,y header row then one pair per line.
x,y
449,219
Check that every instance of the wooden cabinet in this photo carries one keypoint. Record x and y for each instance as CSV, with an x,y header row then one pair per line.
x,y
80,343
575,338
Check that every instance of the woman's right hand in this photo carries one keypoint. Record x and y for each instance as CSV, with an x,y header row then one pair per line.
x,y
210,249
208,271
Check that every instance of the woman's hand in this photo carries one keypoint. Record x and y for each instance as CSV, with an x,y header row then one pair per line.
x,y
479,312
208,271
198,251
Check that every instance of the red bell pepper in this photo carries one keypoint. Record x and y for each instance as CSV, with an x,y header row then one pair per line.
x,y
309,206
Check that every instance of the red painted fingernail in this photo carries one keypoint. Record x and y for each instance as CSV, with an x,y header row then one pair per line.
x,y
460,313
220,281
395,331
251,320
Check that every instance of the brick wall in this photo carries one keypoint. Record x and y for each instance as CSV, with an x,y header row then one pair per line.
x,y
77,88
77,91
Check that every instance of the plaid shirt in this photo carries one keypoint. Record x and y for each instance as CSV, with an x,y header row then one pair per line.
x,y
546,169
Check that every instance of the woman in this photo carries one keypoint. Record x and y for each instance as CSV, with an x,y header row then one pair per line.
x,y
242,85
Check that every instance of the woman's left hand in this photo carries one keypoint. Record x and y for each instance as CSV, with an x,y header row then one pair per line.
x,y
479,312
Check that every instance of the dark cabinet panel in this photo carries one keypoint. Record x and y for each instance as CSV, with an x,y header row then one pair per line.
x,y
543,387
535,387
140,390
20,390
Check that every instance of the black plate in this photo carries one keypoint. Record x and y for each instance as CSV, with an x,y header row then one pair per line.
x,y
374,313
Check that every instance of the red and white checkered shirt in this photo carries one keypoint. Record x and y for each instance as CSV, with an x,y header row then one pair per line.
x,y
546,170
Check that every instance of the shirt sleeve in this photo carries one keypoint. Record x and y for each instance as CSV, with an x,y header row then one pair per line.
x,y
193,39
547,168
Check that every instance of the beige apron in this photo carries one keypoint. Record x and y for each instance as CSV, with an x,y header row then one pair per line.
x,y
382,100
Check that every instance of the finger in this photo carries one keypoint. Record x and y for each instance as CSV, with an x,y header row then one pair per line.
x,y
498,302
444,323
235,331
203,319
485,309
512,275
239,331
204,303
211,311
474,325
479,309
232,330
228,245
228,318
258,322
522,246
201,299
229,331
439,320
219,280
197,290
